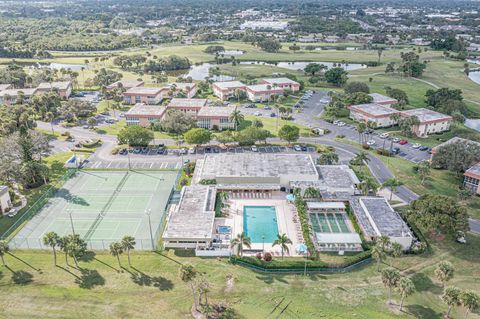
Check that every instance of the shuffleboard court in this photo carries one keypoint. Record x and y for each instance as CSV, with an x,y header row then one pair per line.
x,y
104,206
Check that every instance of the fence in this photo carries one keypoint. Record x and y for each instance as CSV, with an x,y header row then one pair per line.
x,y
97,244
33,209
302,270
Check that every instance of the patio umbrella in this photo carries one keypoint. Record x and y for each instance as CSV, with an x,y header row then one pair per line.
x,y
290,197
301,248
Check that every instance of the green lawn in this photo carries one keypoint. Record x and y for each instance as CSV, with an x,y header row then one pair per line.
x,y
273,124
100,289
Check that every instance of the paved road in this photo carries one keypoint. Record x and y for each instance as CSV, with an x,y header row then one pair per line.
x,y
474,226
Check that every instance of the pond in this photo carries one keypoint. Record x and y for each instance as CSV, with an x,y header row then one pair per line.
x,y
474,124
200,72
300,65
475,76
54,65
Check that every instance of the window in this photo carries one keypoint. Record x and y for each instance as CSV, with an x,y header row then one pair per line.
x,y
138,99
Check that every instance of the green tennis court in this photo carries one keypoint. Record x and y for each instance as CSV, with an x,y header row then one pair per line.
x,y
104,206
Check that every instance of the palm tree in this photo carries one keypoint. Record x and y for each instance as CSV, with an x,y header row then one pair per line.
x,y
328,158
406,288
3,250
63,244
240,241
116,249
396,249
378,253
393,184
49,117
283,241
311,192
444,271
53,240
361,158
451,296
390,278
203,287
237,118
361,128
187,275
470,300
128,244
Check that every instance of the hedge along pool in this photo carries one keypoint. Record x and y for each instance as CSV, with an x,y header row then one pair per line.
x,y
260,223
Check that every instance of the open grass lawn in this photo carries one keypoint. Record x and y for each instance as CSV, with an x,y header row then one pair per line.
x,y
274,124
57,170
33,288
440,182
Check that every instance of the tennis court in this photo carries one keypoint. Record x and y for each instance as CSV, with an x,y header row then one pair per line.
x,y
104,206
329,223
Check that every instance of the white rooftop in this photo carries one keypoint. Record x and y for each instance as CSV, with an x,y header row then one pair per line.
x,y
143,109
279,81
264,88
325,205
220,111
145,90
379,98
426,115
338,238
56,85
184,102
229,84
374,109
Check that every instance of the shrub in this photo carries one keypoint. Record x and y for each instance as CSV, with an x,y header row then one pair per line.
x,y
365,146
208,181
340,136
268,257
259,255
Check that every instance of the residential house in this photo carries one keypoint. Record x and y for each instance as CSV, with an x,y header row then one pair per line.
x,y
430,121
382,99
146,95
189,106
262,92
381,115
284,83
226,90
216,117
64,88
143,114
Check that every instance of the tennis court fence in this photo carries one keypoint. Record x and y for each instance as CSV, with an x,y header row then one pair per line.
x,y
92,244
33,209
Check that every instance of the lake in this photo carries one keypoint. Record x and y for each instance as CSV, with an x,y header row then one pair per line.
x,y
231,52
200,72
475,76
474,124
54,66
300,65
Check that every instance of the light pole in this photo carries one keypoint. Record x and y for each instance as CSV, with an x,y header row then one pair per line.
x,y
128,156
71,221
263,244
149,212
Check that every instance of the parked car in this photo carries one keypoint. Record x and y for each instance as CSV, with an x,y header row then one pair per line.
x,y
145,150
396,140
12,212
423,148
184,151
137,150
384,135
123,151
341,123
273,114
416,145
216,150
86,127
335,122
250,106
370,142
403,142
257,114
395,150
267,107
304,148
161,150
191,150
254,148
368,131
297,148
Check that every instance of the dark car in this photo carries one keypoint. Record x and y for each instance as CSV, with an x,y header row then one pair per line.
x,y
137,150
216,150
304,148
123,151
395,150
423,148
273,114
160,150
144,150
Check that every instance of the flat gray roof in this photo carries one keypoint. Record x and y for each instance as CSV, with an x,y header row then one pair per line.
x,y
143,109
193,219
379,98
256,165
426,115
145,90
3,189
224,111
374,109
56,85
338,176
457,139
475,169
14,92
280,81
264,88
229,84
377,217
181,102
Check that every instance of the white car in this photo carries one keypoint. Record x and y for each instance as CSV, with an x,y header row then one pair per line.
x,y
340,123
12,212
384,135
396,140
336,122
184,151
370,142
191,150
258,114
297,148
254,148
416,145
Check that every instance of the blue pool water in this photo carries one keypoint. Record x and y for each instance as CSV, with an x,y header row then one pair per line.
x,y
260,221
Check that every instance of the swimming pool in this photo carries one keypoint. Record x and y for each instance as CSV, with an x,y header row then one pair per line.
x,y
260,221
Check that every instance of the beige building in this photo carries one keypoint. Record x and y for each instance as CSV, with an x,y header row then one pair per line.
x,y
189,106
284,83
430,121
379,114
262,92
63,88
125,84
10,96
226,90
5,202
215,117
143,114
471,179
146,95
189,89
382,99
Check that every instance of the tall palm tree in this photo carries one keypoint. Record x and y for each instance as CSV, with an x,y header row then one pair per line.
x,y
361,158
378,253
187,275
63,244
390,278
203,287
393,184
361,128
283,241
53,240
3,250
240,241
470,300
444,271
406,287
451,296
237,118
116,249
128,244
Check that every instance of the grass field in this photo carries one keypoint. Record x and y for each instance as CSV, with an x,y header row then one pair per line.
x,y
33,288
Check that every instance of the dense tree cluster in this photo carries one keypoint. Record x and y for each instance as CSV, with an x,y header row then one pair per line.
x,y
456,156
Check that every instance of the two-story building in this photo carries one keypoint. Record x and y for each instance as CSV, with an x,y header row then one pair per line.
x,y
430,121
5,201
189,89
125,84
381,115
284,83
11,96
262,92
64,88
143,114
216,117
226,90
146,95
189,106
471,179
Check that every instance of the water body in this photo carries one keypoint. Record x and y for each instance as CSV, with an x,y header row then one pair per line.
x,y
54,66
474,124
300,65
475,76
200,72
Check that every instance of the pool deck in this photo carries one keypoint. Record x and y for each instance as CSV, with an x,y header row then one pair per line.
x,y
286,213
